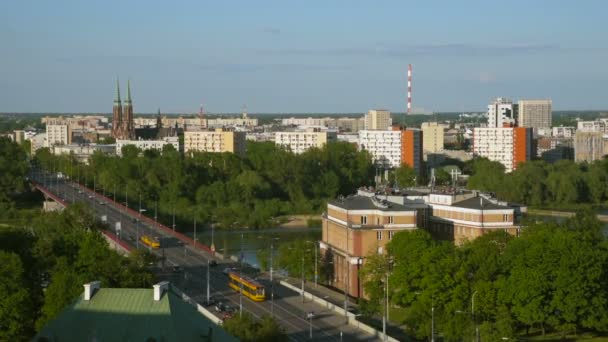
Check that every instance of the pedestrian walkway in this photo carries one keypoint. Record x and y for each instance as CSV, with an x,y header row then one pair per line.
x,y
336,297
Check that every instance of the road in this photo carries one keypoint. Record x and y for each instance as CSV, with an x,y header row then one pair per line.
x,y
287,306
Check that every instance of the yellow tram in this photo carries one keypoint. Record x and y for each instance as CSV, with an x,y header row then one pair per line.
x,y
150,241
251,288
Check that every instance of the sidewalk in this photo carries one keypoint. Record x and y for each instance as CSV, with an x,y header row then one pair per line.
x,y
337,298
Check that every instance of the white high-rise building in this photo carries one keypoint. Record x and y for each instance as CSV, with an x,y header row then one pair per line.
x,y
507,145
383,145
535,113
378,119
500,112
300,142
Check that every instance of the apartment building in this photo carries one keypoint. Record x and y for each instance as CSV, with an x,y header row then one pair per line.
x,y
501,113
356,227
383,145
535,113
508,145
301,141
216,141
293,121
432,137
590,146
58,135
378,119
147,144
563,132
599,125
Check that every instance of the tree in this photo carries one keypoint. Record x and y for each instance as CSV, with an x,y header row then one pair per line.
x,y
16,307
374,275
405,176
247,329
13,168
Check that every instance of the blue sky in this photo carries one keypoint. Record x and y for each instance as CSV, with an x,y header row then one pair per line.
x,y
300,56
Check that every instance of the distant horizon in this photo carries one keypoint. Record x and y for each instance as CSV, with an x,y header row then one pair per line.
x,y
574,111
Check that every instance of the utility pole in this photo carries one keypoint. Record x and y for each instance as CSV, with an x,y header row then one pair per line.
x,y
433,321
174,216
473,316
303,251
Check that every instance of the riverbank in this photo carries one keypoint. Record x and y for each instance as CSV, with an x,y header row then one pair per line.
x,y
299,221
555,213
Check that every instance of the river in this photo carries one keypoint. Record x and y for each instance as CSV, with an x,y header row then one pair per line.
x,y
228,242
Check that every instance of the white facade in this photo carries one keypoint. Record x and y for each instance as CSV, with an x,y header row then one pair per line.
x,y
58,135
306,121
495,144
535,113
300,142
563,132
599,125
228,122
147,144
83,152
379,119
500,111
383,145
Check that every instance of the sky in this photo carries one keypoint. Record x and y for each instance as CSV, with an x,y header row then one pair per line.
x,y
300,56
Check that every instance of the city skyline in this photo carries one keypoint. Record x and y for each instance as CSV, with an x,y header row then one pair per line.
x,y
341,57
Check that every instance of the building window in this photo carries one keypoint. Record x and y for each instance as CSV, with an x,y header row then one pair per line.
x,y
379,235
391,234
363,219
391,219
505,217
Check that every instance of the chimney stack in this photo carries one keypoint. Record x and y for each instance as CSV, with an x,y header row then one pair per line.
x,y
159,289
89,289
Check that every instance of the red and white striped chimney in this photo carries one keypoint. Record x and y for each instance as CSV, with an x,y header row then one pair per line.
x,y
409,88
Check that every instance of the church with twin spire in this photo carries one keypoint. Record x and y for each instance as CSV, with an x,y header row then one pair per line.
x,y
123,126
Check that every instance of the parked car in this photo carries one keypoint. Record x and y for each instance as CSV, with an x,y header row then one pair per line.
x,y
212,263
177,269
219,306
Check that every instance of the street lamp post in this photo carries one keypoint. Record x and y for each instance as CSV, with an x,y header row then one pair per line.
x,y
271,279
174,216
316,265
385,309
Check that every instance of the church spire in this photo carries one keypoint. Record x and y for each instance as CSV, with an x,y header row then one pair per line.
x,y
117,99
128,100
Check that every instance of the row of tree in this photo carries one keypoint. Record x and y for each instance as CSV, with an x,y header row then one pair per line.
x,y
224,188
553,277
540,184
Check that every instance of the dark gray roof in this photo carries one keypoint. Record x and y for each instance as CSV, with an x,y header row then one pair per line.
x,y
357,202
476,203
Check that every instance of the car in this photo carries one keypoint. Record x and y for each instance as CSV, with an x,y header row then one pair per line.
x,y
177,269
219,306
228,270
212,263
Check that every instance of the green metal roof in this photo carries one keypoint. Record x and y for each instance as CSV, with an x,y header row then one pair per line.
x,y
131,315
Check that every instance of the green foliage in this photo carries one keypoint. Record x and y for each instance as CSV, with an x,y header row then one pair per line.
x,y
16,306
536,183
224,188
554,277
405,176
296,257
247,329
13,168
